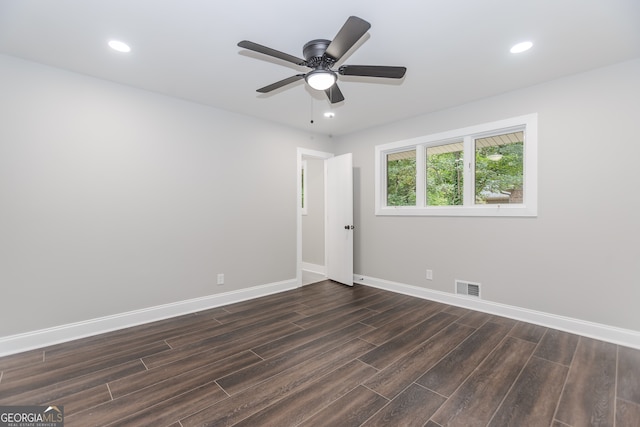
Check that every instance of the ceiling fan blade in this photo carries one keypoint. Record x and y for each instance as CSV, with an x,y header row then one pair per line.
x,y
281,83
334,94
349,34
372,71
271,52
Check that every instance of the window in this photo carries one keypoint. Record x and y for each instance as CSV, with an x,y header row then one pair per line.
x,y
484,170
499,172
401,178
445,174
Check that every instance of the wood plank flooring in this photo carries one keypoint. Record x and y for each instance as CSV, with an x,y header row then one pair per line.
x,y
331,355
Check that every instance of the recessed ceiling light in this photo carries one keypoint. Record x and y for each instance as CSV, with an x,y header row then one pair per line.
x,y
329,114
521,47
119,46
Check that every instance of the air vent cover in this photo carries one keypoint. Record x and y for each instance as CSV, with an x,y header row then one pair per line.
x,y
468,288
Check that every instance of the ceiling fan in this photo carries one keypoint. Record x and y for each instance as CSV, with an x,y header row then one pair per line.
x,y
321,55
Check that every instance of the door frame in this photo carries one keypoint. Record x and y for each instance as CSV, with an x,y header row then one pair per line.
x,y
305,152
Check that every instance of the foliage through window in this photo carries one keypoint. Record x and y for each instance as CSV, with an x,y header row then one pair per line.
x,y
401,178
499,168
485,170
445,170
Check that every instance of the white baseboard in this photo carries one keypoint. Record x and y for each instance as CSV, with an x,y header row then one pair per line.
x,y
55,335
612,334
314,268
45,337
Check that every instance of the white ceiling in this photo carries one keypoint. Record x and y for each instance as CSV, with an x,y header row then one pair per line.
x,y
455,51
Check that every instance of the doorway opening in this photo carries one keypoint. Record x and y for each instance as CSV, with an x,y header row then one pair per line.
x,y
311,216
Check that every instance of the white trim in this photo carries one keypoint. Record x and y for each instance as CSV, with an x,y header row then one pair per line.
x,y
325,201
528,209
314,268
303,171
45,337
612,334
50,336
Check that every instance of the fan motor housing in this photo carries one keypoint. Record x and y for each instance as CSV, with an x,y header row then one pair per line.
x,y
314,50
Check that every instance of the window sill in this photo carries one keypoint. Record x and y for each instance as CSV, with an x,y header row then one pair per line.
x,y
487,210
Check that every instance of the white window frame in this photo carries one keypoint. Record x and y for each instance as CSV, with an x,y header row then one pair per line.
x,y
529,208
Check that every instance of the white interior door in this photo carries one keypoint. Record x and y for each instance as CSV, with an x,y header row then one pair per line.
x,y
339,225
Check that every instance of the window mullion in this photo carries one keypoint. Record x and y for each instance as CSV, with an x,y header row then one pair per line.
x,y
381,174
469,168
421,179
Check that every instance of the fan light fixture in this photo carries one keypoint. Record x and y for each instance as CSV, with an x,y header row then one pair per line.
x,y
494,157
321,79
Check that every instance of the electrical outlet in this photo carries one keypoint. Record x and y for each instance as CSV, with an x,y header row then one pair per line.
x,y
429,274
220,279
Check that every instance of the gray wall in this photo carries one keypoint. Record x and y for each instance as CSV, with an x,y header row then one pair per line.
x,y
313,222
580,257
115,199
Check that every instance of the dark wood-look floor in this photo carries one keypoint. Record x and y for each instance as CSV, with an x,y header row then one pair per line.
x,y
330,355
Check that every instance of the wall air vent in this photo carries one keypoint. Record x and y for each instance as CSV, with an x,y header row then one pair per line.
x,y
468,288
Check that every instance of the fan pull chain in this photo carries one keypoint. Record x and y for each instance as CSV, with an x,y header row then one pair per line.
x,y
311,114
